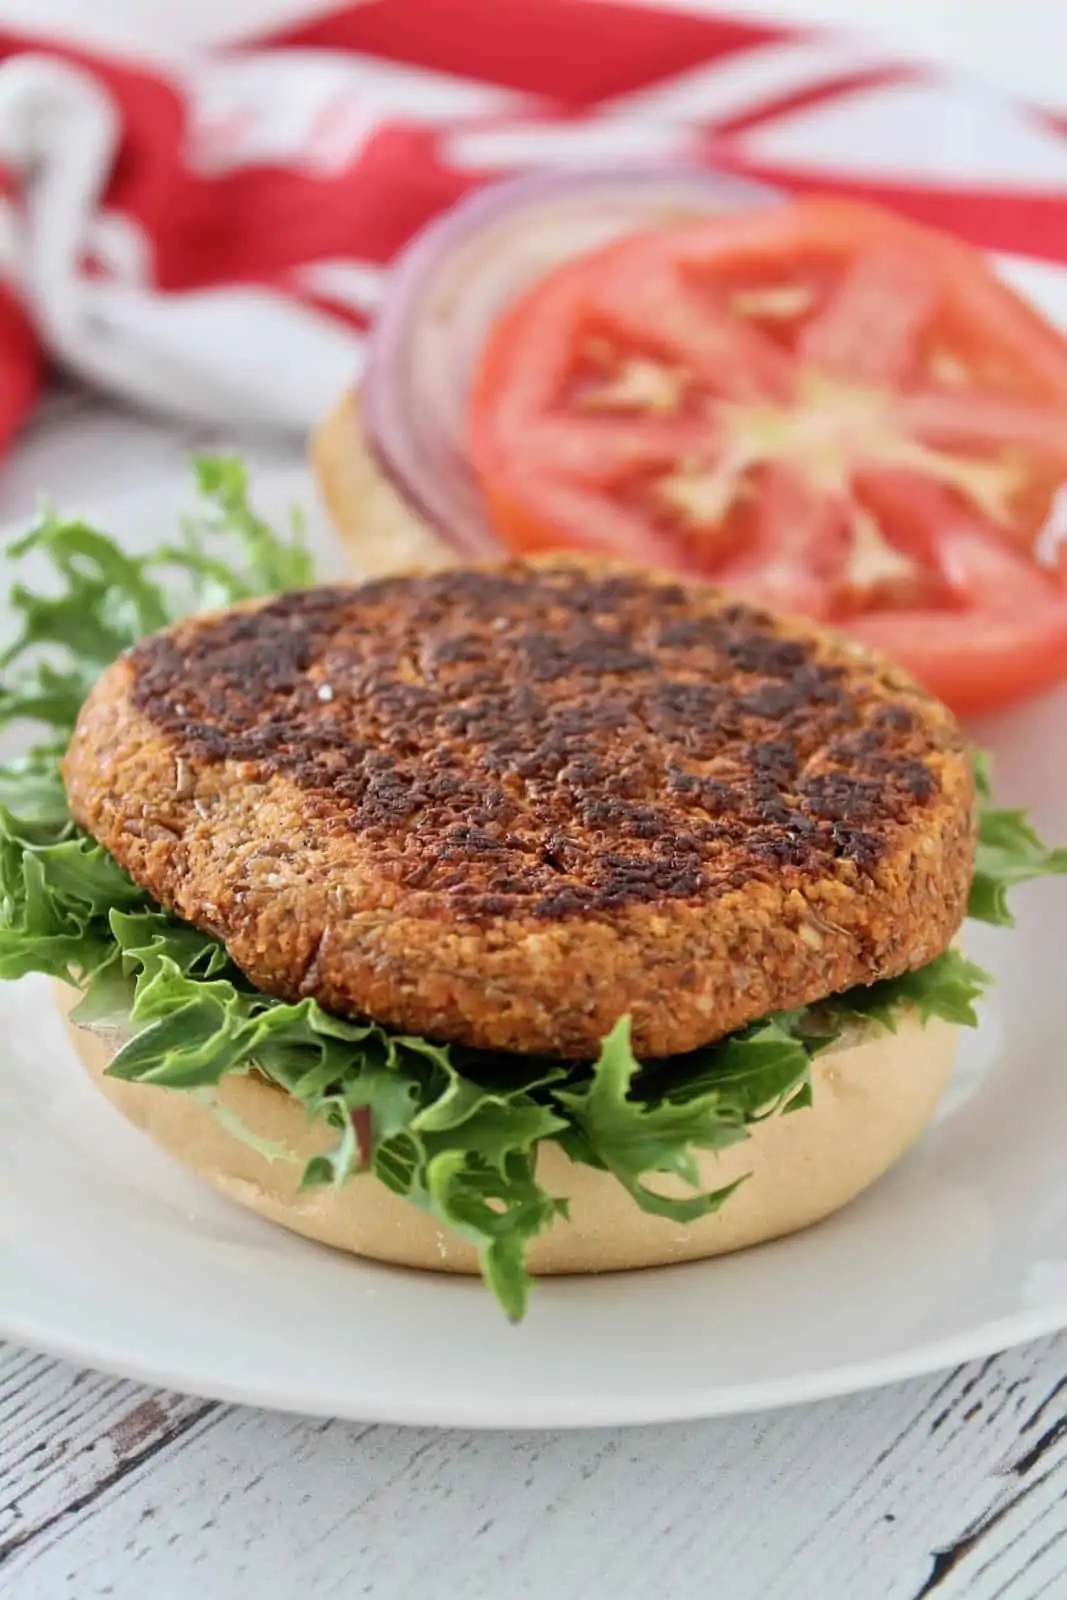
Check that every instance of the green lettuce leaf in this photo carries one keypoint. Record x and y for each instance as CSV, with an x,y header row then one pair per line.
x,y
1009,852
946,987
710,1099
455,1132
107,599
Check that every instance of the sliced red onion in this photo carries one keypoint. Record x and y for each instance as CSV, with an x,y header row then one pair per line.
x,y
453,281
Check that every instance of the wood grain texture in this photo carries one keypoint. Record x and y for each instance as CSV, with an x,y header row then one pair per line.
x,y
66,1435
950,1486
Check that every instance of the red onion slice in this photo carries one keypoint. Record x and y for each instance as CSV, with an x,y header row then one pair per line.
x,y
452,282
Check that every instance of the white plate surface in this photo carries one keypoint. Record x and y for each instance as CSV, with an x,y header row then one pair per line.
x,y
115,1257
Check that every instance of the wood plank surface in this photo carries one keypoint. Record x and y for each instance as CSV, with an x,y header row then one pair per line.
x,y
951,1486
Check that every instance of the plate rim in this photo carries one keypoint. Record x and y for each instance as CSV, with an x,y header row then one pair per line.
x,y
830,1383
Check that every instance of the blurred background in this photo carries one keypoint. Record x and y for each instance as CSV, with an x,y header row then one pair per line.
x,y
131,355
1018,45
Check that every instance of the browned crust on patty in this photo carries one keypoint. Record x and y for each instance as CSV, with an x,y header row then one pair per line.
x,y
505,805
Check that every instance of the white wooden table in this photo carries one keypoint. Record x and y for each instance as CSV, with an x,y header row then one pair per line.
x,y
955,1485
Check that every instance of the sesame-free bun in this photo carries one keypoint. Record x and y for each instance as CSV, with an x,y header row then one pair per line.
x,y
872,1098
380,532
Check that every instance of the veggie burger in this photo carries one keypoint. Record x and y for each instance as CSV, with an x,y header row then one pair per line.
x,y
539,916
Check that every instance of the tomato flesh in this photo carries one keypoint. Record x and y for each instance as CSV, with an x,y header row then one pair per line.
x,y
822,405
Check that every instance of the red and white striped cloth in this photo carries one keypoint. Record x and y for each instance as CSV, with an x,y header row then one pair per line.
x,y
211,238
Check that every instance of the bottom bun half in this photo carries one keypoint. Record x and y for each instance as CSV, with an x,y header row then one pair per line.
x,y
871,1100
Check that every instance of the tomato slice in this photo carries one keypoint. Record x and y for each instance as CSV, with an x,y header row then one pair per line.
x,y
823,405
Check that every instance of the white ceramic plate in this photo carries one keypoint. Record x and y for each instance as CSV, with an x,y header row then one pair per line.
x,y
113,1256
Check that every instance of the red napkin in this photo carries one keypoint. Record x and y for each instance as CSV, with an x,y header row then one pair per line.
x,y
211,240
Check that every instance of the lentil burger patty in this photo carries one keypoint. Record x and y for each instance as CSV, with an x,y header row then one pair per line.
x,y
504,805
